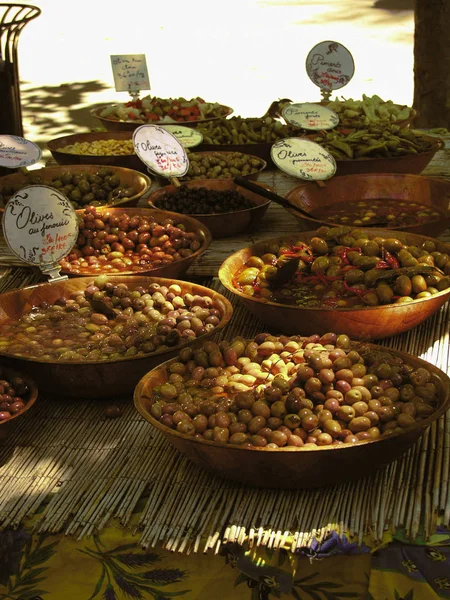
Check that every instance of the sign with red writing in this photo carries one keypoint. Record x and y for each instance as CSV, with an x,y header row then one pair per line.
x,y
310,116
130,72
303,159
18,152
160,151
330,65
40,225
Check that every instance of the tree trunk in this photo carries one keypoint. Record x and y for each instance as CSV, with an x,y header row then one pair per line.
x,y
432,63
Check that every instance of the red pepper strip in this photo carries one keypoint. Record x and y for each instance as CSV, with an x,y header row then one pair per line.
x,y
381,264
348,268
132,116
356,291
391,260
344,251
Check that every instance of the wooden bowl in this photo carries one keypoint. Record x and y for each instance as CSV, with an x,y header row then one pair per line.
x,y
221,224
372,322
260,149
8,426
95,379
290,467
130,161
175,269
219,155
140,182
116,125
349,188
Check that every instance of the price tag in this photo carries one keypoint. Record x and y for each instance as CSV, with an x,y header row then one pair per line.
x,y
310,116
17,152
330,65
130,72
40,226
303,158
187,136
160,151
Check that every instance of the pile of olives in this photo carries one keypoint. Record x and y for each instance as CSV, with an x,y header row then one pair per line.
x,y
222,165
14,392
108,321
203,201
341,267
82,189
270,392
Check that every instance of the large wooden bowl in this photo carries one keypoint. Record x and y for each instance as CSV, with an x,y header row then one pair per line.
x,y
219,154
130,178
291,467
221,224
174,269
372,322
116,125
102,378
8,426
130,161
431,191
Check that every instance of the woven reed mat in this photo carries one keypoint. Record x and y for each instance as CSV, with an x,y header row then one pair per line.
x,y
78,469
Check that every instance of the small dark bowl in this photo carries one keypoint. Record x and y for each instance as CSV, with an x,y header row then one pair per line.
x,y
225,224
406,188
291,467
8,425
175,269
101,379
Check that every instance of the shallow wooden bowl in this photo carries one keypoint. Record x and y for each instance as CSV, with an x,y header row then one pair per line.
x,y
102,378
291,467
373,322
176,269
431,191
140,182
260,149
252,176
221,225
116,125
130,161
8,426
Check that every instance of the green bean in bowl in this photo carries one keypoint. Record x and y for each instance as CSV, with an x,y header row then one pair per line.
x,y
223,165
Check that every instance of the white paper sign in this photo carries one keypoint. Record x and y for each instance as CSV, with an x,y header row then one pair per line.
x,y
303,158
160,150
130,72
330,65
310,116
17,152
40,225
187,136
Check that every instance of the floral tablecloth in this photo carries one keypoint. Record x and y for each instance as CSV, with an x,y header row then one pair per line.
x,y
111,566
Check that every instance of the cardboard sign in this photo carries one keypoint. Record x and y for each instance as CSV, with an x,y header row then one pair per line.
x,y
187,136
310,116
17,152
330,65
40,225
304,159
160,151
130,72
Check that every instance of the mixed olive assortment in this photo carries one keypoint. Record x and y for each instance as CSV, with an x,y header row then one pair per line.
x,y
202,201
120,242
14,393
142,321
382,212
343,268
271,392
221,165
96,189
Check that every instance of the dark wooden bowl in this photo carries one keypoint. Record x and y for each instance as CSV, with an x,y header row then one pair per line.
x,y
431,191
175,269
115,125
221,224
130,161
140,182
372,322
102,378
291,467
8,426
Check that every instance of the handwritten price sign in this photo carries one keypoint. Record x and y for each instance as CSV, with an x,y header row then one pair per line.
x,y
17,152
330,65
130,72
187,136
40,225
303,158
310,116
160,151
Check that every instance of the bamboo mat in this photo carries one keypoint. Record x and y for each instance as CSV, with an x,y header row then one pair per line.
x,y
78,470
